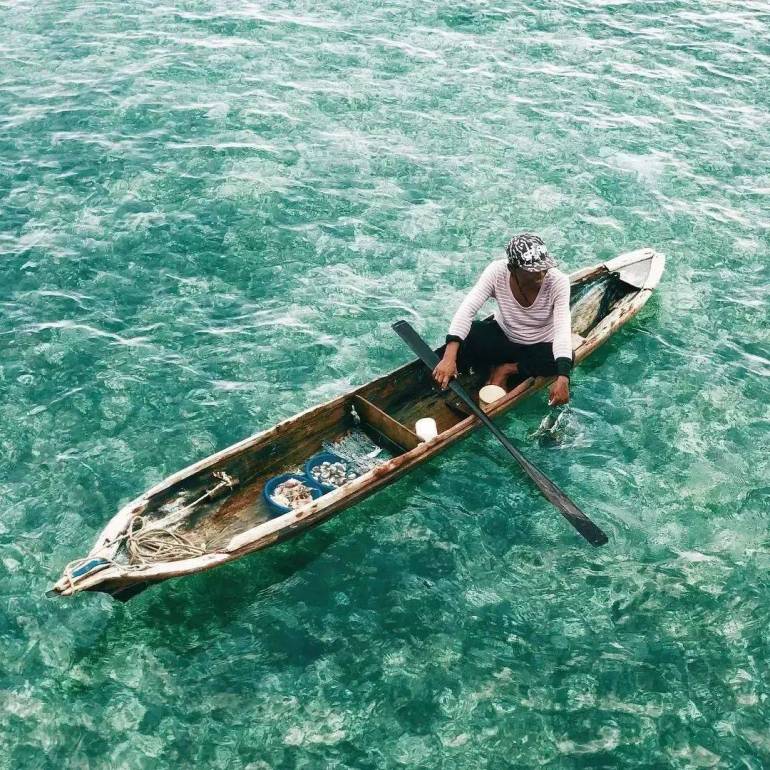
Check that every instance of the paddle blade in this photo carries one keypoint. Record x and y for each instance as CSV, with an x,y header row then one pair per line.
x,y
593,534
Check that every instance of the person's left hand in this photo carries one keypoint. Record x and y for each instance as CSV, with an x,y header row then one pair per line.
x,y
559,392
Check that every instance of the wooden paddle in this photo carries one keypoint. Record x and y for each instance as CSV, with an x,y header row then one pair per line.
x,y
551,492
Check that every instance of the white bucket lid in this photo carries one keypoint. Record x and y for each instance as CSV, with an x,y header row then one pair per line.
x,y
491,393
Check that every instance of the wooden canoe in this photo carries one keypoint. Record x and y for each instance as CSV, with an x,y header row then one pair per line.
x,y
224,515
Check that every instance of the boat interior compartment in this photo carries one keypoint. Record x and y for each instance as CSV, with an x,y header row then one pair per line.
x,y
411,394
593,300
225,498
386,428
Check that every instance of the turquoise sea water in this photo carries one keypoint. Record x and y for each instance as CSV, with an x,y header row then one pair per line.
x,y
210,214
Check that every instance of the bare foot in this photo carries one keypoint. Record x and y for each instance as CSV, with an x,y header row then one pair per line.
x,y
500,374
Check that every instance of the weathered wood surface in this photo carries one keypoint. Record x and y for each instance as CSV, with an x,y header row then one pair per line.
x,y
399,434
255,458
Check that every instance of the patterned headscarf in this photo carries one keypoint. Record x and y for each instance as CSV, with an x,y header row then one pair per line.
x,y
528,252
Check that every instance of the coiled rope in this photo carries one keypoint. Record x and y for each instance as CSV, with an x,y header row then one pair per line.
x,y
146,545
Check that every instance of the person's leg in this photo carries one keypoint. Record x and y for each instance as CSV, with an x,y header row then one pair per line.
x,y
533,362
484,347
500,374
537,360
490,353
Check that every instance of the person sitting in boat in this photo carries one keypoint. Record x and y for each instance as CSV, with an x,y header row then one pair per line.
x,y
530,334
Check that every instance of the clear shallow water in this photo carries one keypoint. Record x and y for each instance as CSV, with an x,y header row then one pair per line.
x,y
211,214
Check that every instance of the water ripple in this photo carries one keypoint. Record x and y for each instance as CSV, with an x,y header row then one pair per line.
x,y
211,215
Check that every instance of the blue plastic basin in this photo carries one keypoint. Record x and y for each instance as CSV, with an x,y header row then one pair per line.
x,y
323,457
267,493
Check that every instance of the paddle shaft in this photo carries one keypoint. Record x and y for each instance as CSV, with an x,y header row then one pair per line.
x,y
550,491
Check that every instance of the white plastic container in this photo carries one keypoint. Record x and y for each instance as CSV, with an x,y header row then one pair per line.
x,y
489,394
426,429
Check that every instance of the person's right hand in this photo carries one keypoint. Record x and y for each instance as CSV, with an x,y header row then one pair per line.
x,y
445,370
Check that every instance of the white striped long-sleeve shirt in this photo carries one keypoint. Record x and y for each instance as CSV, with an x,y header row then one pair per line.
x,y
547,319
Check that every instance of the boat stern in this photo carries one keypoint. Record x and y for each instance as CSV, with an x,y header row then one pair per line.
x,y
641,268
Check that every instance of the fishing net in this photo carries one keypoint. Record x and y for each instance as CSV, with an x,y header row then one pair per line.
x,y
358,450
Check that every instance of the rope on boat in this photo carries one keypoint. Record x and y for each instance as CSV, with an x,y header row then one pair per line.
x,y
150,542
146,545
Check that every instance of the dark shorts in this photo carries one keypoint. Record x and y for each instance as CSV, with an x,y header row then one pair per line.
x,y
486,346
